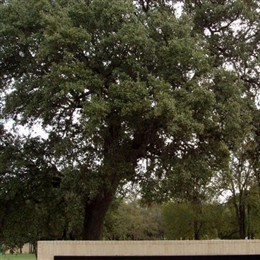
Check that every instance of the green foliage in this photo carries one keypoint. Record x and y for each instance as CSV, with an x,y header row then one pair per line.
x,y
178,221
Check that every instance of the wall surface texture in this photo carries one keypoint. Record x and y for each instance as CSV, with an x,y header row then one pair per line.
x,y
48,249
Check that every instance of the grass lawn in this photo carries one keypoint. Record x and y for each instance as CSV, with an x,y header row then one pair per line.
x,y
18,257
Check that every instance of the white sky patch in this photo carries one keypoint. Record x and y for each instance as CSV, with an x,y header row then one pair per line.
x,y
224,196
76,116
178,9
35,131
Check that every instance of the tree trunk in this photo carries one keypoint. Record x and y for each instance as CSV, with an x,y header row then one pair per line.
x,y
95,212
196,230
242,222
239,204
118,163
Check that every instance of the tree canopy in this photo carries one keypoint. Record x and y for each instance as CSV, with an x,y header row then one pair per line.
x,y
126,91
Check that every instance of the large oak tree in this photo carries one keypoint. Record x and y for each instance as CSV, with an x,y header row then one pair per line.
x,y
116,83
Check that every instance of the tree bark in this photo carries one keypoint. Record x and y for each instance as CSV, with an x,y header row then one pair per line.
x,y
240,207
196,230
95,212
242,222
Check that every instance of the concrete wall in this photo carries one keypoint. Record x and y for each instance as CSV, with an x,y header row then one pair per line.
x,y
48,249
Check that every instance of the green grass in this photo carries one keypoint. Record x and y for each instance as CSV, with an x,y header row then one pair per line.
x,y
18,257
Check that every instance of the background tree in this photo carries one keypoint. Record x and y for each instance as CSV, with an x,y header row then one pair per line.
x,y
240,185
31,207
178,220
133,221
183,221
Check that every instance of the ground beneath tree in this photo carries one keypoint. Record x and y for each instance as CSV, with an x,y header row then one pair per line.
x,y
18,257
